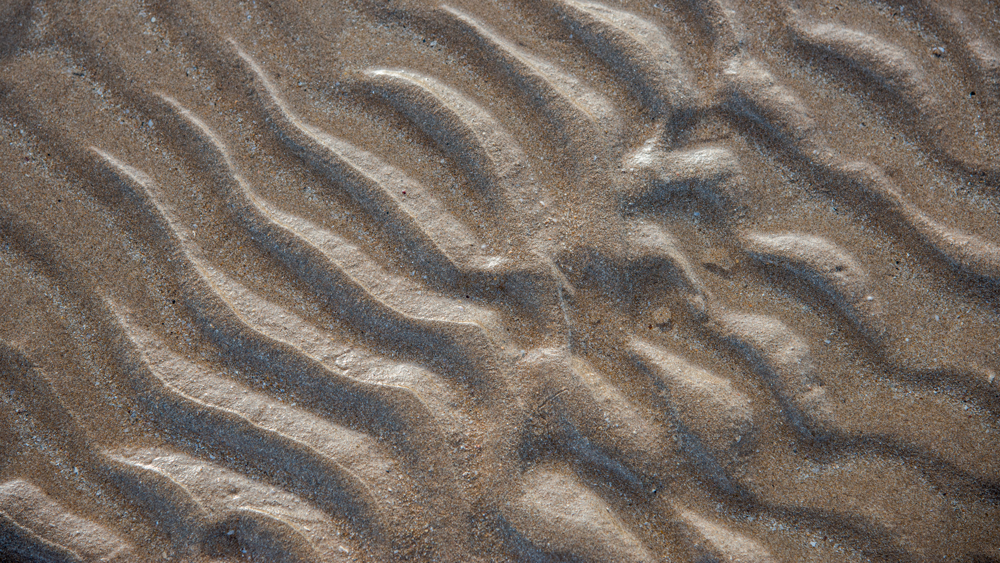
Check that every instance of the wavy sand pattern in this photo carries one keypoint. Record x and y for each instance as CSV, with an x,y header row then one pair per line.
x,y
379,280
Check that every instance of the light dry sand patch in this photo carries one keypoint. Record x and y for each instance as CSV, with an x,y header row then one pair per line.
x,y
566,280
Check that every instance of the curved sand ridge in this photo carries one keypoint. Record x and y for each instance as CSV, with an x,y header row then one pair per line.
x,y
557,281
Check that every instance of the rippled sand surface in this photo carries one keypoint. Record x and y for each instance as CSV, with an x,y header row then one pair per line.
x,y
373,280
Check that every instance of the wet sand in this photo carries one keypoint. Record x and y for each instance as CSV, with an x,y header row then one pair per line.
x,y
504,281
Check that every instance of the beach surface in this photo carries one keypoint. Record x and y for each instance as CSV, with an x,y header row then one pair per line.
x,y
401,280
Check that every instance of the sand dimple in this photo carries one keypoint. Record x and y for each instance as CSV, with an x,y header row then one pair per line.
x,y
558,281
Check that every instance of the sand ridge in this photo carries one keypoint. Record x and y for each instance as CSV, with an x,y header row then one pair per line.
x,y
507,281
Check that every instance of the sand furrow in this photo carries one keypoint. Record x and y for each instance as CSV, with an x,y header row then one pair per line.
x,y
29,508
640,51
488,154
209,509
568,280
572,105
316,264
899,72
831,268
783,359
756,93
716,415
421,219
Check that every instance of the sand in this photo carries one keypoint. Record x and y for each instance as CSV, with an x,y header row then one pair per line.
x,y
393,280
